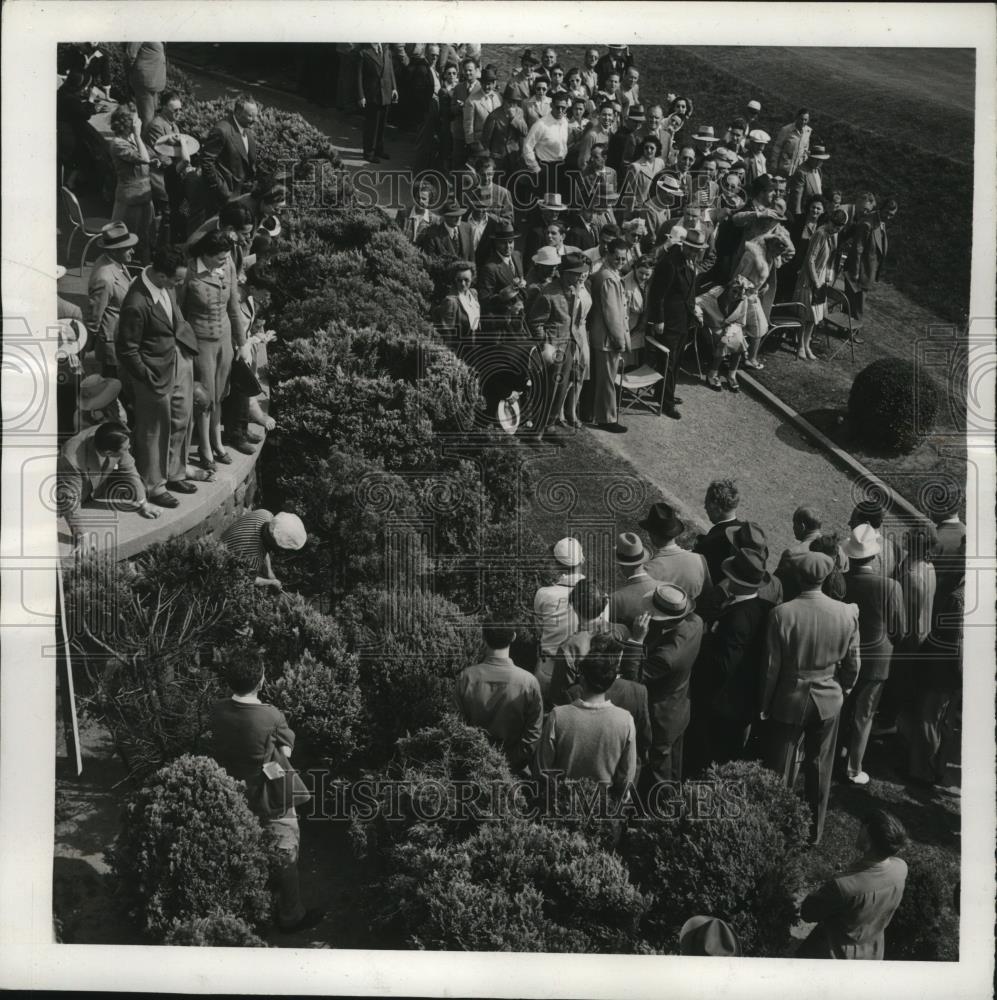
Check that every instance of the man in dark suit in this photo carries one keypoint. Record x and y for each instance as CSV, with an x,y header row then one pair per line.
x,y
501,283
882,622
673,633
866,249
377,89
228,156
811,663
671,309
584,234
449,238
721,508
155,347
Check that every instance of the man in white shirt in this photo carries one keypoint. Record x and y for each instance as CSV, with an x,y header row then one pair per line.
x,y
546,145
551,610
791,146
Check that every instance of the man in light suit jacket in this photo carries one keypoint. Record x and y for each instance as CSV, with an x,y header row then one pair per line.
x,y
228,156
629,599
155,347
671,564
146,62
811,663
477,108
377,89
609,336
89,464
109,282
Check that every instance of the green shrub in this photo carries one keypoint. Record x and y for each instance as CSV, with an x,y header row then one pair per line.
x,y
219,931
925,927
743,864
513,886
411,646
430,810
892,405
189,847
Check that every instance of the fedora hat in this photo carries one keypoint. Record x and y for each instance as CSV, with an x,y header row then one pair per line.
x,y
708,936
511,94
705,134
115,236
504,231
746,567
668,603
759,135
453,208
288,531
863,542
818,152
488,75
662,521
547,256
670,185
573,263
96,392
725,156
552,202
72,338
636,113
747,536
695,238
630,549
529,57
568,552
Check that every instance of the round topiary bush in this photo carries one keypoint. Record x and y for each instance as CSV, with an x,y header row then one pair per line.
x,y
735,851
190,847
892,405
925,927
219,931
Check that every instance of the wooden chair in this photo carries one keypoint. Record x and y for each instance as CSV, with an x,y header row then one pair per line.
x,y
839,321
636,390
89,226
785,318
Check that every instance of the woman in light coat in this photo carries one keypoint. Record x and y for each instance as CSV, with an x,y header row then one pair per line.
x,y
133,193
816,277
759,261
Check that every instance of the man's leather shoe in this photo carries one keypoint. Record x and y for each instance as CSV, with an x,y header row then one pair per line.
x,y
616,428
253,438
670,411
180,486
241,445
678,400
165,500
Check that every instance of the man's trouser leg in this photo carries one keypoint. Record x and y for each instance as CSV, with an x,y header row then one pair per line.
x,y
290,909
865,698
819,737
558,375
152,436
181,414
674,339
605,365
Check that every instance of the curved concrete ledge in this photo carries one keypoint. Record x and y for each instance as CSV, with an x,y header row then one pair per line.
x,y
207,512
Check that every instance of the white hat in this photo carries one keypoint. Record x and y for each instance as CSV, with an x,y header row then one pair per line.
x,y
288,531
676,235
754,106
547,256
568,552
60,272
863,543
72,338
759,135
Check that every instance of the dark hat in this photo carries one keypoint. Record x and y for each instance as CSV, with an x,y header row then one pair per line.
x,y
452,207
746,567
747,536
529,57
488,75
115,236
708,936
504,231
511,93
695,238
668,602
573,263
818,152
630,549
662,521
636,113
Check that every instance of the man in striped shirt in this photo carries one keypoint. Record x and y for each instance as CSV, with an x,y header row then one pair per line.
x,y
257,534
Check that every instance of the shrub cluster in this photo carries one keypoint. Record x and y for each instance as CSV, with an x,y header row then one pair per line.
x,y
219,931
892,405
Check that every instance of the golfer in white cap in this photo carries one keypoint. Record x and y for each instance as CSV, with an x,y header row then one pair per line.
x,y
553,615
257,534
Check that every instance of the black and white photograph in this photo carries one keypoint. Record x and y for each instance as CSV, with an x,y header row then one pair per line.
x,y
498,518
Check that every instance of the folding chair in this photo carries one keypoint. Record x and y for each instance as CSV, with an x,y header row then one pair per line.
x,y
839,320
635,390
786,317
90,227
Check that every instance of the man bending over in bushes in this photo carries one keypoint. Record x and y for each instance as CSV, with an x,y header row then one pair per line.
x,y
257,534
243,730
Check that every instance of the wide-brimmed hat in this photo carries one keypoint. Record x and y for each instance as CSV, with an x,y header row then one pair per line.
x,y
667,184
96,392
488,75
616,46
574,263
819,152
759,135
504,231
636,113
547,256
812,568
552,202
863,543
453,207
708,936
668,602
695,238
511,93
747,536
72,338
271,226
705,134
754,106
568,552
115,236
288,531
746,567
630,549
662,521
169,145
725,156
